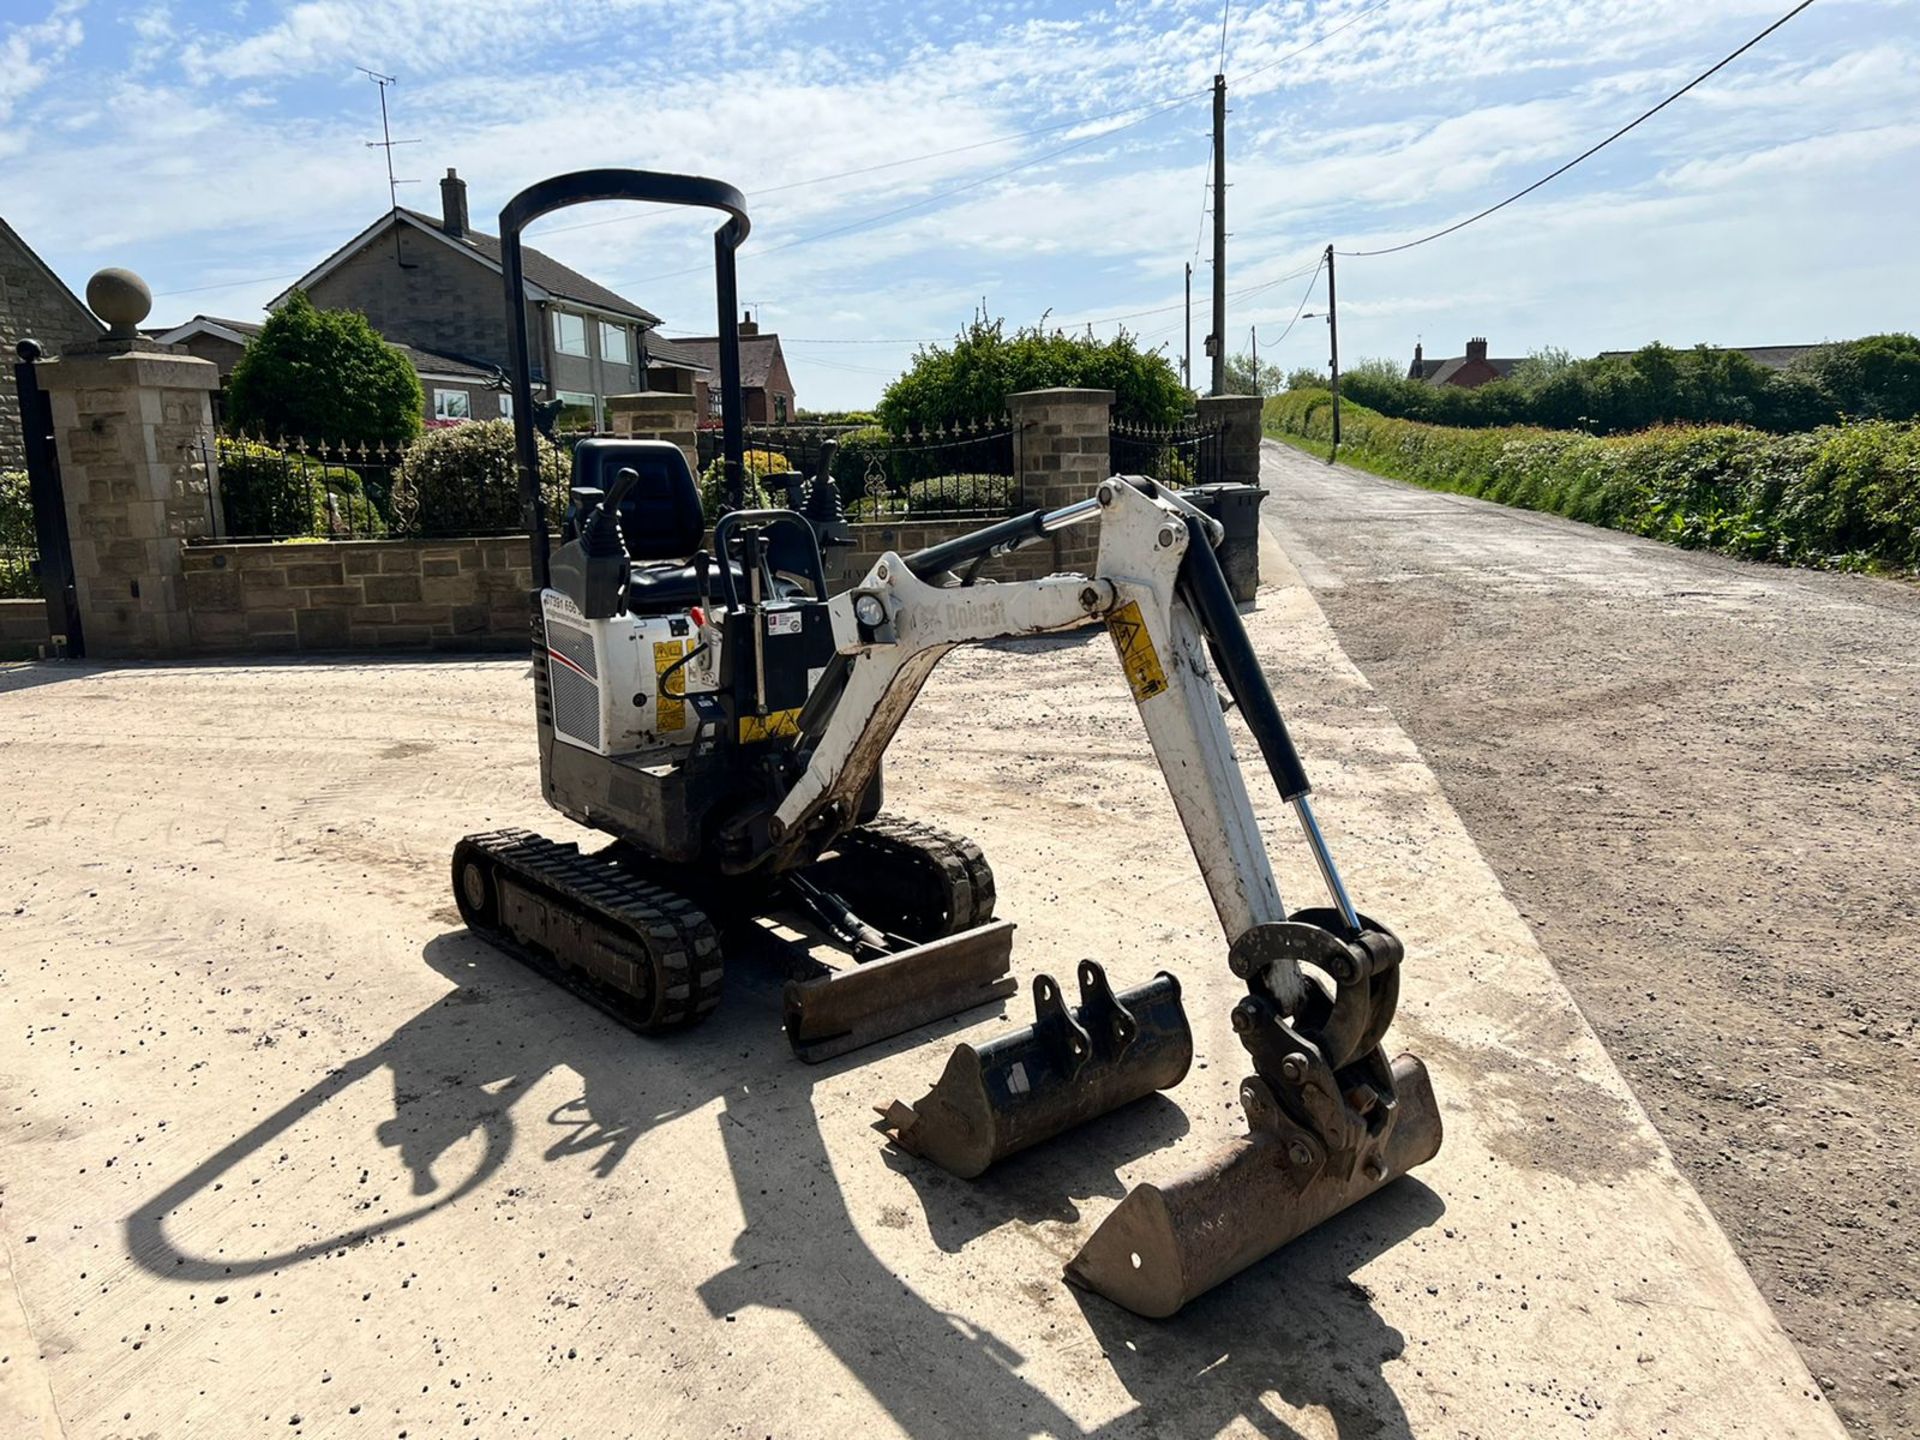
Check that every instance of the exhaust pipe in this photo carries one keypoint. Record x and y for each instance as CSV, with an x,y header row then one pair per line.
x,y
1165,1244
1064,1069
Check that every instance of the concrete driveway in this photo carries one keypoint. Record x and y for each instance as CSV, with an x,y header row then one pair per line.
x,y
286,1152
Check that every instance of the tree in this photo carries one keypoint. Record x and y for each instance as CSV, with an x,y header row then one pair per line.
x,y
1874,377
324,376
1304,378
971,379
1242,381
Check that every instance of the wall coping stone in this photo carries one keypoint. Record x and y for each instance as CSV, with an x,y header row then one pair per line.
x,y
134,369
1059,394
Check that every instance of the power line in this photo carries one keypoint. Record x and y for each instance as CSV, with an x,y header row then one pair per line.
x,y
1585,154
1226,6
1301,308
1320,40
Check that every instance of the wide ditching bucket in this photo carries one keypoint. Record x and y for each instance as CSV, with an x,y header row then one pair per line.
x,y
842,1010
1066,1068
1165,1244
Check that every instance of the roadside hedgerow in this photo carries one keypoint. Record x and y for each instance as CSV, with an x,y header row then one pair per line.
x,y
1845,496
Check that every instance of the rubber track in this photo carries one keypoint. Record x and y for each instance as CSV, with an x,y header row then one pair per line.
x,y
962,866
676,934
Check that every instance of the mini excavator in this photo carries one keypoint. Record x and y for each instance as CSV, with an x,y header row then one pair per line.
x,y
724,718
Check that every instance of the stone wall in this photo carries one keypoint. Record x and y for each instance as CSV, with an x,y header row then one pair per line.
x,y
1062,447
276,599
33,305
1238,417
23,628
359,595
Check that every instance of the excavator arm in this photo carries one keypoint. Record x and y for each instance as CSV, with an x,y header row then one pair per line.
x,y
1330,1117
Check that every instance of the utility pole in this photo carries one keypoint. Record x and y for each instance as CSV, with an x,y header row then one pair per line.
x,y
1218,340
1254,331
1333,349
1186,362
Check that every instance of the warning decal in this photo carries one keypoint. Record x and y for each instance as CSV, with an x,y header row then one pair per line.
x,y
1137,655
768,727
671,712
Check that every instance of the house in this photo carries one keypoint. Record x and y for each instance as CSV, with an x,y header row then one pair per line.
x,y
766,389
432,286
36,305
1468,371
455,389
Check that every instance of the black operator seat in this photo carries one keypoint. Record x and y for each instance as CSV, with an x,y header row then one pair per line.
x,y
660,520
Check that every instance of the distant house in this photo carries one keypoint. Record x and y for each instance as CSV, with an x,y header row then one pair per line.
x,y
1773,357
1468,371
34,304
432,286
479,387
766,389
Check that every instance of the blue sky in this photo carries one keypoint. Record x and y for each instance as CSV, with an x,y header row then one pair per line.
x,y
218,144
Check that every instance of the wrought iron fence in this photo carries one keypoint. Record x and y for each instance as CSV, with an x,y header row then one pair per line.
x,y
1190,453
18,580
295,489
962,470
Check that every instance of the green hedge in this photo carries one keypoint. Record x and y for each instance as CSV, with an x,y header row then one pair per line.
x,y
943,495
17,543
1845,496
269,491
464,480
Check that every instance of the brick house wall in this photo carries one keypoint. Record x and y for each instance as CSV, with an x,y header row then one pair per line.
x,y
33,304
760,401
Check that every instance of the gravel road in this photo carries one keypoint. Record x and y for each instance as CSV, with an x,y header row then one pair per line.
x,y
1699,779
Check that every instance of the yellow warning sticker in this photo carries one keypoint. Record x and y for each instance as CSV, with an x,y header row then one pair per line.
x,y
670,710
768,727
1137,655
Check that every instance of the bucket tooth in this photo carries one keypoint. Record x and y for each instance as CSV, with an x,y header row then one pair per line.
x,y
1165,1244
831,1014
1066,1068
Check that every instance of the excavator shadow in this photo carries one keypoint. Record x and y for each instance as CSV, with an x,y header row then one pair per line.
x,y
1294,1332
463,1066
1043,1184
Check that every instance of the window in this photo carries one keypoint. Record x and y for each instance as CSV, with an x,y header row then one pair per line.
x,y
779,409
577,411
613,344
506,407
569,333
452,405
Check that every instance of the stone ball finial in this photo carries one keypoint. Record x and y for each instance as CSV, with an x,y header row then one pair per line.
x,y
28,350
120,298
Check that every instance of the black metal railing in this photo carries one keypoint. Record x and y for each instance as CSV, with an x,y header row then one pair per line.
x,y
297,489
965,469
1190,453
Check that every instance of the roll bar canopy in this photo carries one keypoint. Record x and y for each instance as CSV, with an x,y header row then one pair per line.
x,y
653,187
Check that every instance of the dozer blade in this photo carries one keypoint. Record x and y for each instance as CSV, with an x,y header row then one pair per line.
x,y
831,1014
1063,1070
1165,1244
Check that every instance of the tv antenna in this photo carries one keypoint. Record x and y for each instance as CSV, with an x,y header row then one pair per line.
x,y
386,142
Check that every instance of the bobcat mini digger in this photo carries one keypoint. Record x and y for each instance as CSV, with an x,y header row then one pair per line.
x,y
725,719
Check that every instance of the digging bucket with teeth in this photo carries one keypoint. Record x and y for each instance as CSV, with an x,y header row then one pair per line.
x,y
1066,1068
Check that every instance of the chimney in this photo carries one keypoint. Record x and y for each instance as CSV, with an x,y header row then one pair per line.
x,y
1477,348
453,205
748,326
1419,359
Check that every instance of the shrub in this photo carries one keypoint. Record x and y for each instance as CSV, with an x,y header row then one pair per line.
x,y
18,544
463,480
323,376
971,379
1846,496
753,495
860,465
980,494
266,491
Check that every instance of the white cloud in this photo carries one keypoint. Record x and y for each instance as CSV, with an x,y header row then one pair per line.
x,y
30,53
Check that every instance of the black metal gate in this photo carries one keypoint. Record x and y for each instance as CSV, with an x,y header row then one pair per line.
x,y
1189,453
54,566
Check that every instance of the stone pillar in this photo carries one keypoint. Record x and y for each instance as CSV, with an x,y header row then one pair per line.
x,y
1238,417
656,415
1060,445
133,427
